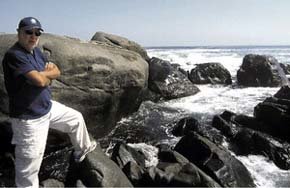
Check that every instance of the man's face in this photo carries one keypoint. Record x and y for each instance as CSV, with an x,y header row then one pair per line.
x,y
28,38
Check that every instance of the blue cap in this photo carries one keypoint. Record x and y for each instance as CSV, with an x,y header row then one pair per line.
x,y
29,23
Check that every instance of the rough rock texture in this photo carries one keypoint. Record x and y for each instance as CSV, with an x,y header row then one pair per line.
x,y
102,81
167,81
210,73
245,135
260,71
274,112
122,154
215,161
172,169
148,125
98,171
120,41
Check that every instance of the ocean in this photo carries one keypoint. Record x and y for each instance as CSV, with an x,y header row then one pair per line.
x,y
214,99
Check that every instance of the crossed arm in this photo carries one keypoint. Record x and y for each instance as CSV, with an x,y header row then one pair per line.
x,y
43,78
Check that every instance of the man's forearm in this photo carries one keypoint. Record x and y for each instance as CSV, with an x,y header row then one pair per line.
x,y
51,73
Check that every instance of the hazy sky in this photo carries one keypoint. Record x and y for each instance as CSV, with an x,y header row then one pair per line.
x,y
159,22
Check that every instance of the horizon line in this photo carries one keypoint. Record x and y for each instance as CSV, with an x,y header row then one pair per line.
x,y
216,46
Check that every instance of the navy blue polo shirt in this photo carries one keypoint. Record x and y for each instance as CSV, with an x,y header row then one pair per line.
x,y
26,101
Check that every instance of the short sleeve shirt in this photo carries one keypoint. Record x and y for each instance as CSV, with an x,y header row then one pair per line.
x,y
26,101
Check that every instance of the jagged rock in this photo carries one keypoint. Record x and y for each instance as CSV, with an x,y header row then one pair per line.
x,y
245,140
286,68
189,124
283,93
120,41
148,125
56,165
214,161
210,73
101,81
134,173
122,154
259,71
184,126
168,81
176,172
274,112
97,170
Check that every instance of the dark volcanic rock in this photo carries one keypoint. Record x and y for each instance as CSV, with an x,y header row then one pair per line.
x,y
185,173
184,126
149,124
215,161
259,71
274,112
168,81
210,73
97,170
122,154
189,124
245,138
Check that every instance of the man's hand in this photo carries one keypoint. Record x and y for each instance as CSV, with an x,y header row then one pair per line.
x,y
43,78
51,71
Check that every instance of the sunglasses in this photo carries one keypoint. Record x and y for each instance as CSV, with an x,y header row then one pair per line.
x,y
30,32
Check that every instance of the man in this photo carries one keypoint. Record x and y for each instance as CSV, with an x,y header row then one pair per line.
x,y
27,79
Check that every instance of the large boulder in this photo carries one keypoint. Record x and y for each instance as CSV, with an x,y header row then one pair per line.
x,y
172,169
274,112
121,42
210,73
245,137
97,170
101,81
167,81
260,71
215,161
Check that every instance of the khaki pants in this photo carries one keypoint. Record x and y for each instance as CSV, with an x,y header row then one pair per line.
x,y
29,137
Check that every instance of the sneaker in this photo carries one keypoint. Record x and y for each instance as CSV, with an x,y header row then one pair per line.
x,y
81,156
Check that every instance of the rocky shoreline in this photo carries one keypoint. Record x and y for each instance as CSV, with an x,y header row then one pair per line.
x,y
111,77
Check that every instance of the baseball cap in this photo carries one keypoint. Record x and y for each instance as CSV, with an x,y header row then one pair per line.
x,y
29,23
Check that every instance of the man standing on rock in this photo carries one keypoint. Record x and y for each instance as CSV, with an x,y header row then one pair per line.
x,y
27,79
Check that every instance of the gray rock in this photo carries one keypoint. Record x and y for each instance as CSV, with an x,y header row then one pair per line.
x,y
168,81
97,170
274,112
215,161
51,183
121,42
246,137
210,73
101,81
122,154
259,71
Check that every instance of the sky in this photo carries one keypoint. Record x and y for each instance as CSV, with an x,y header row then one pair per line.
x,y
159,22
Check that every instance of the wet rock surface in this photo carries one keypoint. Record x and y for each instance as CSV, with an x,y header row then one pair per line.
x,y
210,73
168,81
259,71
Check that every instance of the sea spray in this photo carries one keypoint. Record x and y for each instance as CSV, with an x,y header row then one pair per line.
x,y
213,100
284,79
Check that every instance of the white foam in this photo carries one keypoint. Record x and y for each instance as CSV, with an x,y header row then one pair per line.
x,y
263,170
215,99
149,151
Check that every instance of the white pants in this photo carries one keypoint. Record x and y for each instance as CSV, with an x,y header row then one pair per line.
x,y
29,137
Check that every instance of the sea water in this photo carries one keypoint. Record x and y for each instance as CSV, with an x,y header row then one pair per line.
x,y
214,99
